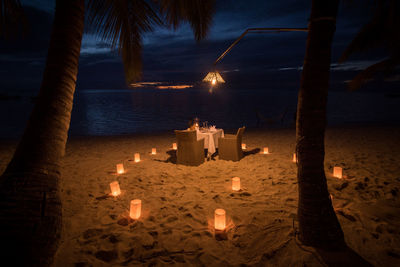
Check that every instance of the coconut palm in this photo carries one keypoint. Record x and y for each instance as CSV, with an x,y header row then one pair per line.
x,y
381,31
318,224
30,206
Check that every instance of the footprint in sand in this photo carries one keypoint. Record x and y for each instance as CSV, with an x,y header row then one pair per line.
x,y
106,255
217,199
89,233
128,253
172,219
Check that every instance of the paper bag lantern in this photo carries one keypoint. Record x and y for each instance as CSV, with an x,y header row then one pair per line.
x,y
115,190
174,146
243,146
337,172
294,157
136,209
235,183
220,220
153,151
137,157
120,168
266,150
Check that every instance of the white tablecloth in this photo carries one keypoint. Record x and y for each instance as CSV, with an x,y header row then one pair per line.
x,y
210,139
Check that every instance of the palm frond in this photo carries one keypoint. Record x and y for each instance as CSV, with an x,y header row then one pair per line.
x,y
12,18
381,31
198,13
385,66
122,23
368,38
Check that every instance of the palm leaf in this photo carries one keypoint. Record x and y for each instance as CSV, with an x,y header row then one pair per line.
x,y
381,31
198,13
12,18
385,66
123,23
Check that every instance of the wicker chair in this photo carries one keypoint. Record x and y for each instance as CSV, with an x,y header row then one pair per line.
x,y
190,150
230,146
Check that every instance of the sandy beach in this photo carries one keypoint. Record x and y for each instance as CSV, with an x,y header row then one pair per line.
x,y
178,202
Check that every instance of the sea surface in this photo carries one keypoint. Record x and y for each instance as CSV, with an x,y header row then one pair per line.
x,y
120,112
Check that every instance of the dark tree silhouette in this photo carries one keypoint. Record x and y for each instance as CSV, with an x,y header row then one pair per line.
x,y
318,224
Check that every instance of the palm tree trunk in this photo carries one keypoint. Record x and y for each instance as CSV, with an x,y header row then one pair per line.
x,y
318,224
30,207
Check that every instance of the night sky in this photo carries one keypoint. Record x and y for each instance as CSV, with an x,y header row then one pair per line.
x,y
270,60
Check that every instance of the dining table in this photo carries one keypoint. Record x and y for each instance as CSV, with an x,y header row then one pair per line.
x,y
210,136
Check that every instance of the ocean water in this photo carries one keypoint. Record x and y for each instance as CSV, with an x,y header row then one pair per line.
x,y
119,112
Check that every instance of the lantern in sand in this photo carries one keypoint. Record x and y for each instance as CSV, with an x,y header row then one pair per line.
x,y
136,209
137,157
235,183
265,150
120,168
174,146
115,190
337,172
153,151
219,219
243,146
294,157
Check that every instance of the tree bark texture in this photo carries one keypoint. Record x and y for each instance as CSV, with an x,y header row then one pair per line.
x,y
30,207
318,224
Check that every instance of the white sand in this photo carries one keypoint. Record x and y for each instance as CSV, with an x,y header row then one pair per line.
x,y
176,226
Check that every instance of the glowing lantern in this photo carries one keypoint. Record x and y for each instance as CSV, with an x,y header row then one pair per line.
x,y
294,157
174,147
219,221
137,157
243,146
266,150
337,172
331,197
120,168
136,209
115,190
235,183
213,77
153,151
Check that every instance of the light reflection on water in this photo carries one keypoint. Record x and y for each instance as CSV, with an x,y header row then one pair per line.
x,y
116,112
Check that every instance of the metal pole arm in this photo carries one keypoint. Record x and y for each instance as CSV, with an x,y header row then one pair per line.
x,y
257,30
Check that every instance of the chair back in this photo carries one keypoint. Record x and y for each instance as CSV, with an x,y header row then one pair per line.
x,y
239,133
185,135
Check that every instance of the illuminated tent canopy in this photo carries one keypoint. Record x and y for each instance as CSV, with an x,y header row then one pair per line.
x,y
213,77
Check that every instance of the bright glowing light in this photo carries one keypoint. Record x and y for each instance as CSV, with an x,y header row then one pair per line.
x,y
266,150
294,157
115,190
174,146
174,86
219,219
137,157
235,183
337,172
136,209
120,168
153,151
243,146
213,77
